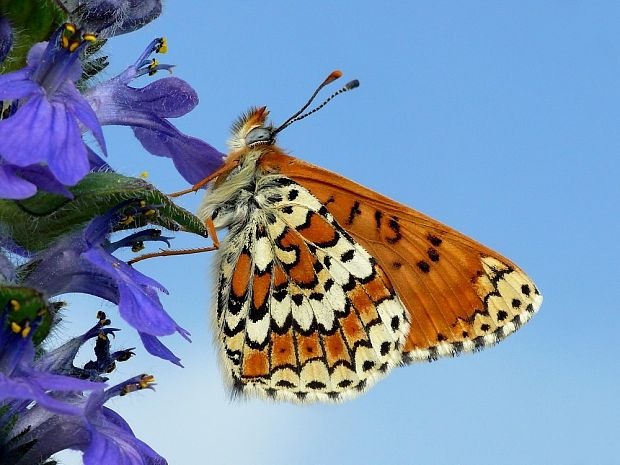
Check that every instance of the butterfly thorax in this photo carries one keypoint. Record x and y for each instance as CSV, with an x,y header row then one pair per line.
x,y
232,198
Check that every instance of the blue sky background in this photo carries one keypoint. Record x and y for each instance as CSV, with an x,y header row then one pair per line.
x,y
498,118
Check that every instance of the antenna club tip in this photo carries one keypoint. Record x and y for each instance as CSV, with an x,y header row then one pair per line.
x,y
332,77
352,84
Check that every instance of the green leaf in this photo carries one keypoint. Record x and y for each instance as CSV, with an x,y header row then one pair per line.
x,y
38,221
32,21
25,305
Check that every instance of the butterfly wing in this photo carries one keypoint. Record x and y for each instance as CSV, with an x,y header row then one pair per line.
x,y
460,295
303,311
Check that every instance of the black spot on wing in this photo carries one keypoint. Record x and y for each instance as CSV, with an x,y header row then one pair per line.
x,y
378,216
395,227
368,365
355,210
434,240
424,266
385,348
316,385
285,384
283,181
433,254
347,256
292,195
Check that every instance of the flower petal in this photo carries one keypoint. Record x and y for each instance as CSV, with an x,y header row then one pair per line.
x,y
14,187
35,54
35,389
25,137
68,159
144,312
113,442
138,304
192,157
169,97
139,13
114,17
43,178
83,111
96,162
119,270
18,85
155,347
54,382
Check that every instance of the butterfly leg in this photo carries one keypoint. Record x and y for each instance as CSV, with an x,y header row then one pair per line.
x,y
163,253
224,169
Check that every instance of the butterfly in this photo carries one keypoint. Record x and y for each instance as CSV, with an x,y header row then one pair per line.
x,y
324,286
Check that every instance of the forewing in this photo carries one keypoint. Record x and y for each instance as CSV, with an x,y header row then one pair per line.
x,y
460,295
304,312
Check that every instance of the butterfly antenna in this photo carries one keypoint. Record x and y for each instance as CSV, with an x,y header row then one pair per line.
x,y
350,85
331,78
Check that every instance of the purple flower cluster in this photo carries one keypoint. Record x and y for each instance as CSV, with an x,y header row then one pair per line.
x,y
69,411
83,263
41,144
48,403
112,17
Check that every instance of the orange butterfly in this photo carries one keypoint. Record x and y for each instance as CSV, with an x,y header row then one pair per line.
x,y
324,285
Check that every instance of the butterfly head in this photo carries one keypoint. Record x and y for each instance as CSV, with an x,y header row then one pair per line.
x,y
251,129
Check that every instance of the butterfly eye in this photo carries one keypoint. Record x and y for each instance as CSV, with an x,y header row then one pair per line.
x,y
258,136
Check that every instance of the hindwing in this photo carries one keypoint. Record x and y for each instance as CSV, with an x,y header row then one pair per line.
x,y
304,312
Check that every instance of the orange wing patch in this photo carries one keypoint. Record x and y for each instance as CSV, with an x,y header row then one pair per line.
x,y
255,363
241,275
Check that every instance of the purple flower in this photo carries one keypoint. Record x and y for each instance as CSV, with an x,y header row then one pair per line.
x,y
112,17
111,438
83,262
60,360
6,38
146,110
22,182
36,433
102,434
20,378
44,131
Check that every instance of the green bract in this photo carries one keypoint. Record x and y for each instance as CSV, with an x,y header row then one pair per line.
x,y
37,222
24,306
34,21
